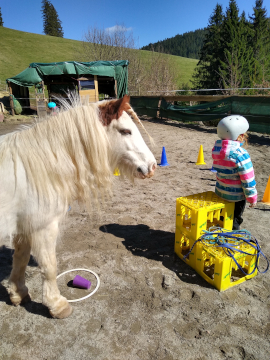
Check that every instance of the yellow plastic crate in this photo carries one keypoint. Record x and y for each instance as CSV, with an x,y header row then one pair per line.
x,y
182,246
199,212
219,269
195,213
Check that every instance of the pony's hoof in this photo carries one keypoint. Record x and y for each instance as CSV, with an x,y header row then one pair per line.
x,y
63,313
18,299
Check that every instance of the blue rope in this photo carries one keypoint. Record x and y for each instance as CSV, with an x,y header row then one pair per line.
x,y
229,241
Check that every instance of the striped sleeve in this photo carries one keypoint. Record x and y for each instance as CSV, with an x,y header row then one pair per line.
x,y
247,177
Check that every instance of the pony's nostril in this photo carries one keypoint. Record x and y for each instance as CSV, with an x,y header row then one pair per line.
x,y
139,170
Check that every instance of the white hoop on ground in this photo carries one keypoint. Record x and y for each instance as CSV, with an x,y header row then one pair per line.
x,y
87,296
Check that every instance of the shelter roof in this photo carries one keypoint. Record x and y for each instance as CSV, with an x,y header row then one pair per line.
x,y
36,72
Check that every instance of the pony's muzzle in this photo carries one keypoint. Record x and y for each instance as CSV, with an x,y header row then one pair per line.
x,y
152,169
146,172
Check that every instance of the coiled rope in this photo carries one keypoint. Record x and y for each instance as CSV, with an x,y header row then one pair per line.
x,y
230,241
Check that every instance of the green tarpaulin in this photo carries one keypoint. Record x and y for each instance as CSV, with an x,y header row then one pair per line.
x,y
27,78
203,112
36,72
145,106
256,109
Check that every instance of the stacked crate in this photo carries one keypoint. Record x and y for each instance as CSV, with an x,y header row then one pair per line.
x,y
199,212
195,213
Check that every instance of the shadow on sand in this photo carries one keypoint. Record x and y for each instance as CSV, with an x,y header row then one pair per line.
x,y
156,245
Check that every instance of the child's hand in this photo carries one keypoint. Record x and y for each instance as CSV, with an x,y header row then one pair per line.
x,y
252,205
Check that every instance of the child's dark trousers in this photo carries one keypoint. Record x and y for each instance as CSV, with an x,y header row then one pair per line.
x,y
238,212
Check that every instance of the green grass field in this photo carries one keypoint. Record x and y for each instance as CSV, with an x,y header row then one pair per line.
x,y
18,49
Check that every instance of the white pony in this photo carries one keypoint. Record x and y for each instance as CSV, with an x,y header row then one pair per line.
x,y
46,166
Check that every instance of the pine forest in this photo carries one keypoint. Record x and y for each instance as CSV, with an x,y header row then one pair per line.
x,y
187,45
233,51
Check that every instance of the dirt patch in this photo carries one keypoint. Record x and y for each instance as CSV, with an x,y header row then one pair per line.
x,y
149,306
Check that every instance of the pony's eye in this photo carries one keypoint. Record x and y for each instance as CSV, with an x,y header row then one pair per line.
x,y
125,132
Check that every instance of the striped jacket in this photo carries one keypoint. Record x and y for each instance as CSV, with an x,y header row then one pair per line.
x,y
235,174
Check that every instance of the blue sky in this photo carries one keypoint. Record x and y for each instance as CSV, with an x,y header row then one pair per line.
x,y
150,20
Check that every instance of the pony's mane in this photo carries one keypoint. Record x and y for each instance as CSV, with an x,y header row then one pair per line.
x,y
67,153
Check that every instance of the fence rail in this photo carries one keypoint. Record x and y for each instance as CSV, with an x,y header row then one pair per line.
x,y
198,98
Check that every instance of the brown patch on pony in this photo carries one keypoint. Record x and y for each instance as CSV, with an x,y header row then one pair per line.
x,y
113,109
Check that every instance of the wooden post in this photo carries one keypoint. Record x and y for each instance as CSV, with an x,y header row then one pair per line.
x,y
158,110
36,96
96,87
11,99
48,89
43,92
115,85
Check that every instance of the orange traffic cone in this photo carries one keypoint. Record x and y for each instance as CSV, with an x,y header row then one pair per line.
x,y
116,172
266,196
200,160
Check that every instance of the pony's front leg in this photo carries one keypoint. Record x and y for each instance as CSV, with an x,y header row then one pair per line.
x,y
44,244
18,292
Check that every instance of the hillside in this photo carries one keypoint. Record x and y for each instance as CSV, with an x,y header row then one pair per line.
x,y
18,49
187,45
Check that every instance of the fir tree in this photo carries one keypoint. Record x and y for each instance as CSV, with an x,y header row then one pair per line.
x,y
260,43
226,59
1,19
237,59
51,22
207,70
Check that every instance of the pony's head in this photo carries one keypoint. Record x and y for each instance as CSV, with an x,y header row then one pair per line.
x,y
129,151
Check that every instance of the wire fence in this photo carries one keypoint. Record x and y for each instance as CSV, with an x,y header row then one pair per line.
x,y
198,90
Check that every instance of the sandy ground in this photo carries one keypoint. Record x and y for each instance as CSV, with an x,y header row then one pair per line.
x,y
149,305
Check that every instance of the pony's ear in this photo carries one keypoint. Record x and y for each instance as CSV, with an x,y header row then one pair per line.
x,y
124,105
113,109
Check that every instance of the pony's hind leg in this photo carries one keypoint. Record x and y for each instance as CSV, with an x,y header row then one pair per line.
x,y
44,244
18,292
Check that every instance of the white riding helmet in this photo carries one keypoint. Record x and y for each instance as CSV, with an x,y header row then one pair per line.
x,y
230,127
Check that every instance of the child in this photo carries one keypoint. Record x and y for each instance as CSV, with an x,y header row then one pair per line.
x,y
52,106
235,174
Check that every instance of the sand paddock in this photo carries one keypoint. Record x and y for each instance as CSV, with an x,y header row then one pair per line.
x,y
149,306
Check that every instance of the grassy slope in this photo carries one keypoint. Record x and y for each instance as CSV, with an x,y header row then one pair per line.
x,y
184,69
18,49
